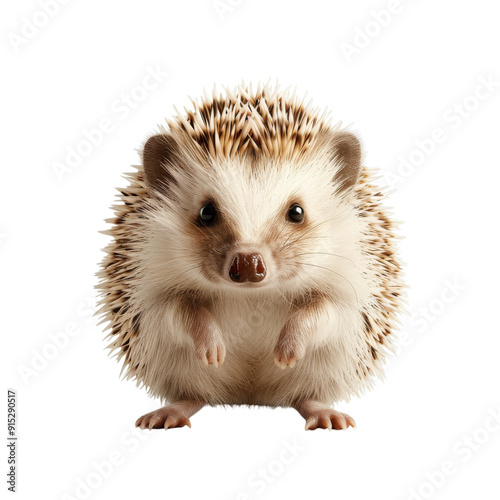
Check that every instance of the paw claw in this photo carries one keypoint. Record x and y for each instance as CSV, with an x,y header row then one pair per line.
x,y
328,418
284,362
326,423
286,355
349,420
167,418
311,423
169,422
211,352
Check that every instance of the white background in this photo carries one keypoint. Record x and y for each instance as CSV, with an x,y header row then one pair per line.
x,y
412,76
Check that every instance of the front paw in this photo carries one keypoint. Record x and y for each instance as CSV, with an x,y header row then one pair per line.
x,y
287,353
211,350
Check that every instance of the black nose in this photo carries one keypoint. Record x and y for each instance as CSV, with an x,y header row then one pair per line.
x,y
247,267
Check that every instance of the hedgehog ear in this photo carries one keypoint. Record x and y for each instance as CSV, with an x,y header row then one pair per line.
x,y
347,157
159,152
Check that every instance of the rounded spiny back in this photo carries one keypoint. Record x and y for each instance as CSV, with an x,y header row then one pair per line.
x,y
268,121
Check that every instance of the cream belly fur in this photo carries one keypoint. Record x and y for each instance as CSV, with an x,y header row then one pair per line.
x,y
248,371
249,374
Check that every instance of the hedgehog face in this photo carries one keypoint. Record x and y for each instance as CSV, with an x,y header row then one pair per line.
x,y
251,222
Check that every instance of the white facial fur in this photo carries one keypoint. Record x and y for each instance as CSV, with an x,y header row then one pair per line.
x,y
252,200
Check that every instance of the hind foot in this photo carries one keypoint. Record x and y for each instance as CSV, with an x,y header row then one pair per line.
x,y
168,417
320,416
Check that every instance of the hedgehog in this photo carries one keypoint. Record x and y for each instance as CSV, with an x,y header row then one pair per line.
x,y
252,262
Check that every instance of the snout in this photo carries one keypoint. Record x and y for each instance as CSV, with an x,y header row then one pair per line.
x,y
247,268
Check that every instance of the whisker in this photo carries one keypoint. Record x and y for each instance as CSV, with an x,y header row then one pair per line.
x,y
334,272
327,253
187,270
159,279
286,244
279,234
305,233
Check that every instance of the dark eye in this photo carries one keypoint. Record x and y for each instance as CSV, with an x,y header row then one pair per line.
x,y
208,214
296,213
